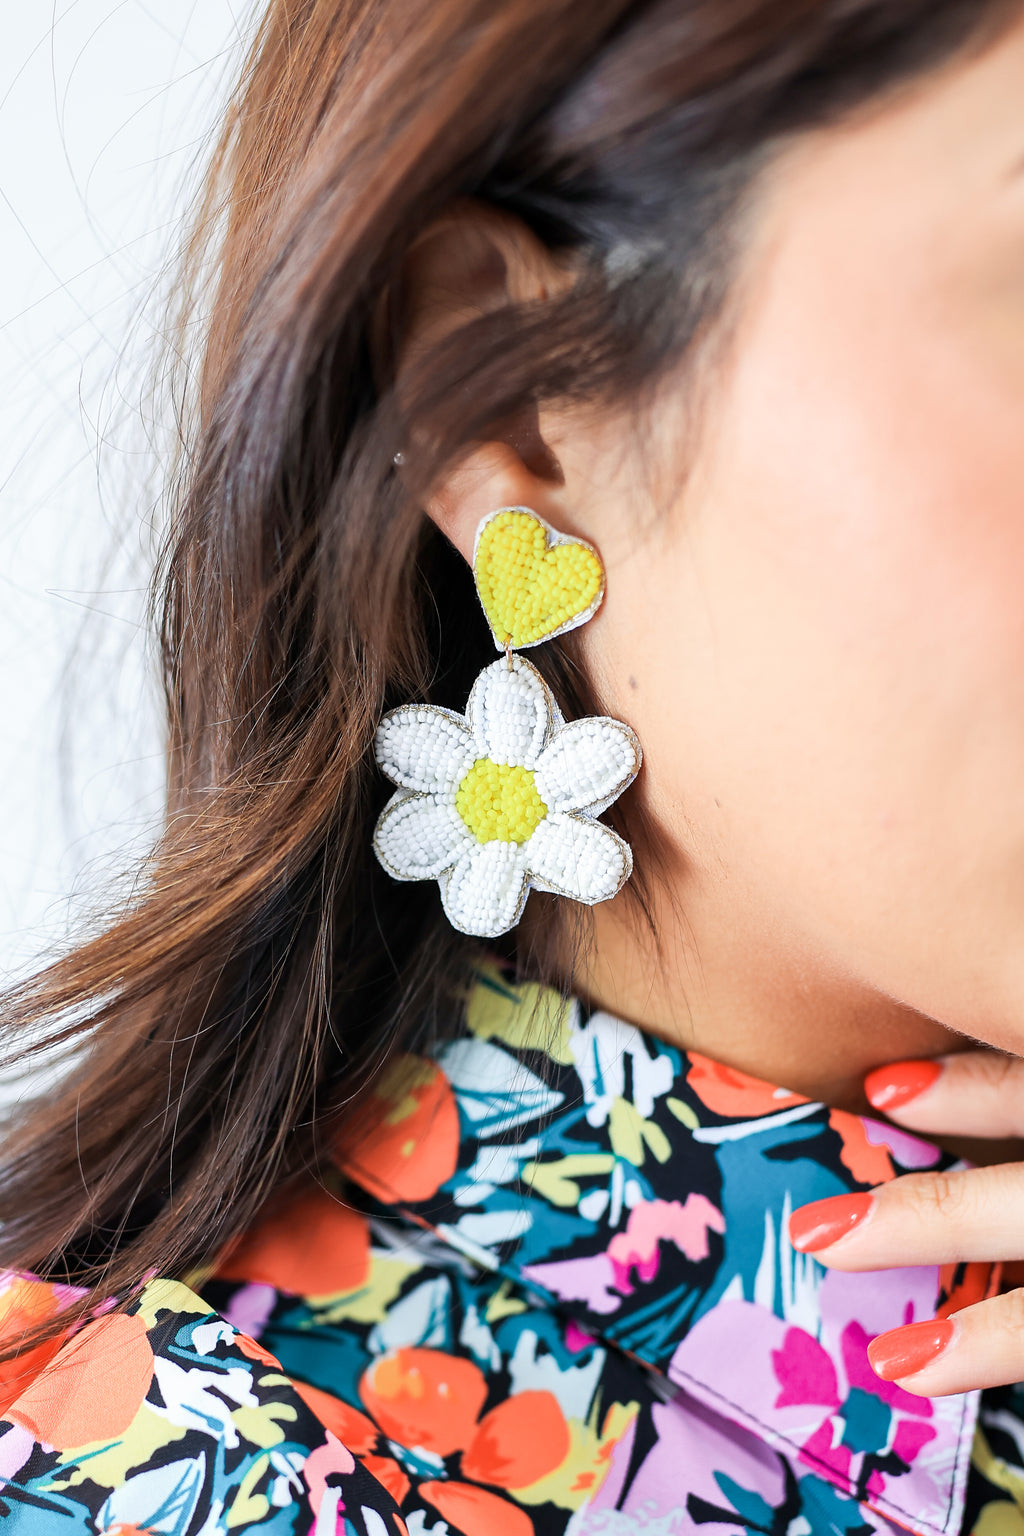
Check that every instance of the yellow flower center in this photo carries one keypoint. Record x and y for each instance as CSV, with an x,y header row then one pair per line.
x,y
499,802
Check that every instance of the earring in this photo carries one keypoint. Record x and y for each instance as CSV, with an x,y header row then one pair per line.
x,y
506,797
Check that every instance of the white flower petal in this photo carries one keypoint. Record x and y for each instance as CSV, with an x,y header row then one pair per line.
x,y
418,837
587,765
486,891
576,857
510,712
425,748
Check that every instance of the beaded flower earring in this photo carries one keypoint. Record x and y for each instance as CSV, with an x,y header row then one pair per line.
x,y
506,797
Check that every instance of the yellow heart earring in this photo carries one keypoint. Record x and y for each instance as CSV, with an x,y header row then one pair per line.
x,y
534,583
506,797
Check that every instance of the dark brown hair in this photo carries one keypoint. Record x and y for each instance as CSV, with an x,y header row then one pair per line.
x,y
264,966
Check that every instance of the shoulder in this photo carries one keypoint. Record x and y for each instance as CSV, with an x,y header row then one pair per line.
x,y
167,1418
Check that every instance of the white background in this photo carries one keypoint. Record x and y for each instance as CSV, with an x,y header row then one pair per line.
x,y
105,110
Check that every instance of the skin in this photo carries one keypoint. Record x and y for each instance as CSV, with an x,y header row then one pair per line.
x,y
814,624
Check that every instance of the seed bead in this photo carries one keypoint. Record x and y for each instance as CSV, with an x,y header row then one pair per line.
x,y
499,802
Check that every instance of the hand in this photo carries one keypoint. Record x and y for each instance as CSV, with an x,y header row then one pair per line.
x,y
938,1218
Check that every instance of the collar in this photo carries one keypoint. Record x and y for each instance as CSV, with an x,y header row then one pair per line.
x,y
645,1192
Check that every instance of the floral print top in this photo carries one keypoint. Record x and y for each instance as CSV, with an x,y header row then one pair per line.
x,y
553,1292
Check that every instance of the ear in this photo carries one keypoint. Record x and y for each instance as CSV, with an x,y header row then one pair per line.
x,y
472,261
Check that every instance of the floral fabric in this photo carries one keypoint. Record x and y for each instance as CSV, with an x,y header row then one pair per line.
x,y
166,1420
554,1294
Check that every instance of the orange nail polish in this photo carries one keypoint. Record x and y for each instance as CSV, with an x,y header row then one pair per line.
x,y
908,1350
823,1222
889,1087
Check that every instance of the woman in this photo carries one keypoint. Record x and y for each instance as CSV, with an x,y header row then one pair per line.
x,y
374,1205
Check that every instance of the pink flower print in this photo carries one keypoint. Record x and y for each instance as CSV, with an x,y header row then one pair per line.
x,y
807,1376
250,1307
589,1279
654,1221
909,1151
853,1343
811,1390
805,1372
822,1456
16,1446
329,1458
875,1488
911,1438
577,1338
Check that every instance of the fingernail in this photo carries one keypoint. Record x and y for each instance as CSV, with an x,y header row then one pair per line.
x,y
892,1086
908,1350
826,1221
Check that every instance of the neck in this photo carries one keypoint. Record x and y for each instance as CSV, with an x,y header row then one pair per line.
x,y
754,1003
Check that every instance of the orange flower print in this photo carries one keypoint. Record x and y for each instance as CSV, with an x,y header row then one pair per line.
x,y
407,1145
24,1305
254,1351
475,1512
424,1398
431,1401
389,1474
310,1245
732,1093
352,1428
93,1389
521,1440
870,1164
961,1285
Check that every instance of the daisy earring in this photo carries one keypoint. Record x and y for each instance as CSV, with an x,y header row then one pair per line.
x,y
506,797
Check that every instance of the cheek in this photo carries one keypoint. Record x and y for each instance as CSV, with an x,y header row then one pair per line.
x,y
828,640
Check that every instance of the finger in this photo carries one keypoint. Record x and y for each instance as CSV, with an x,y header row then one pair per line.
x,y
922,1218
977,1093
982,1346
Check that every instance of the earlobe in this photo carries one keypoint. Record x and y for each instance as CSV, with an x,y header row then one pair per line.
x,y
493,475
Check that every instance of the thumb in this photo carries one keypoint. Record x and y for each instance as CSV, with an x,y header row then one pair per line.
x,y
975,1093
